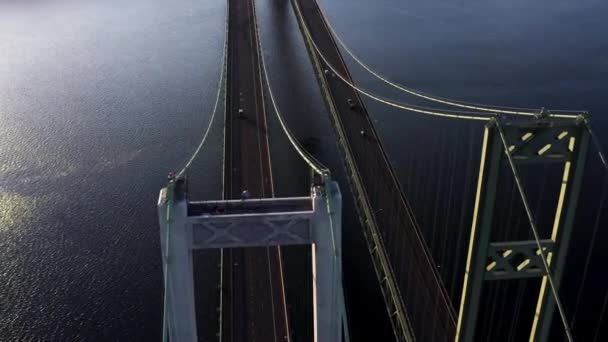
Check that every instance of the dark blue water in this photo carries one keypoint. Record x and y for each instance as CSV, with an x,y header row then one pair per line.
x,y
98,100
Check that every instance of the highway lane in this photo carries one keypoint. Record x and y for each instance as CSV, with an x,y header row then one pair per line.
x,y
254,307
410,260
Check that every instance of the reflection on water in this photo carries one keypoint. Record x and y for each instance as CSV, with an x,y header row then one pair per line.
x,y
16,209
98,101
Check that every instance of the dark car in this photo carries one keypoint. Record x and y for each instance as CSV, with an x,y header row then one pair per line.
x,y
352,104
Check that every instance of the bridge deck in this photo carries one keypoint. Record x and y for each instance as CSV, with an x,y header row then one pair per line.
x,y
400,255
254,307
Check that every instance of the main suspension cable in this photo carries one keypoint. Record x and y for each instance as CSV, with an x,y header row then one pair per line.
x,y
451,102
541,252
596,142
422,110
215,105
316,165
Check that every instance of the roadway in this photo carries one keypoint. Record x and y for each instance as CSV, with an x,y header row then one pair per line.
x,y
254,306
430,313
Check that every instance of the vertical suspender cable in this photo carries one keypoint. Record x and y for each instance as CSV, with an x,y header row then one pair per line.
x,y
590,251
521,288
597,144
448,215
463,207
438,193
601,318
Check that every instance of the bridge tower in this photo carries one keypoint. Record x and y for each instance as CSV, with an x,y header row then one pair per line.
x,y
186,226
539,140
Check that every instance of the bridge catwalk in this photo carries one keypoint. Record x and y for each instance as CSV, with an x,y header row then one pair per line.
x,y
254,307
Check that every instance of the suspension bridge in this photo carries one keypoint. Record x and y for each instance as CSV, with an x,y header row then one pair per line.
x,y
461,250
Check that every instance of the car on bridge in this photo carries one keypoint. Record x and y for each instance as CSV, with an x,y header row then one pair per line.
x,y
352,104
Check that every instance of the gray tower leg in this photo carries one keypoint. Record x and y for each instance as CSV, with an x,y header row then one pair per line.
x,y
175,243
327,259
